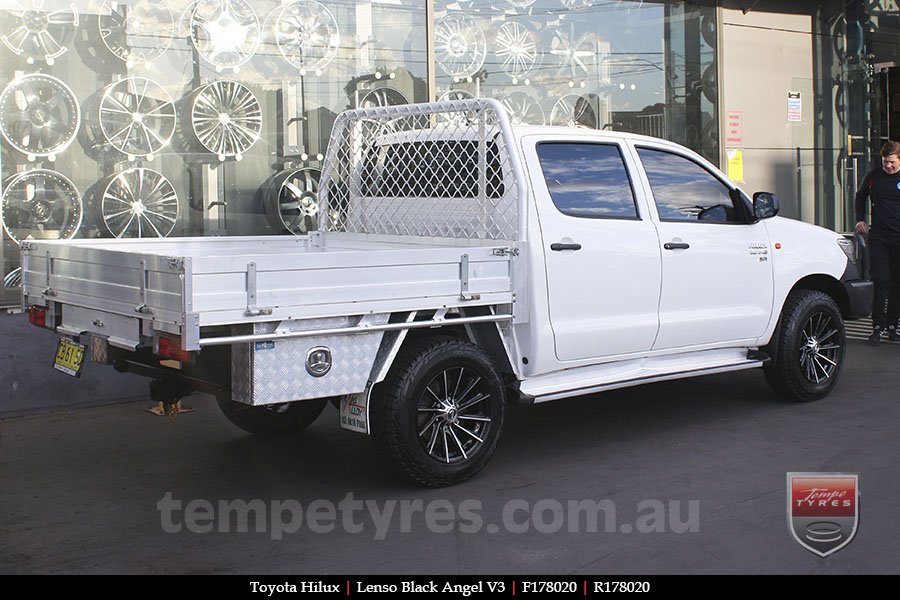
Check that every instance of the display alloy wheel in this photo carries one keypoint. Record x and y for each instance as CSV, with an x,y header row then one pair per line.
x,y
437,417
40,204
226,33
573,110
307,35
137,117
226,118
292,202
39,115
136,31
809,347
139,203
36,33
516,49
460,46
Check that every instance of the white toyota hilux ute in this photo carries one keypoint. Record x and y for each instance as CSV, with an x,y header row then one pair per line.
x,y
461,264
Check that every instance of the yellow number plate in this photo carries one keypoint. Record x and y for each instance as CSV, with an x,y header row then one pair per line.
x,y
69,357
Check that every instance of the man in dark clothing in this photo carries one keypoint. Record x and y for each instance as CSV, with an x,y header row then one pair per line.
x,y
882,185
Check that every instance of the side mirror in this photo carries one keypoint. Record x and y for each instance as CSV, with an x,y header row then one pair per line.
x,y
765,205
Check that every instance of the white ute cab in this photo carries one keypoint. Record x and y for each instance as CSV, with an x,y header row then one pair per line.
x,y
461,264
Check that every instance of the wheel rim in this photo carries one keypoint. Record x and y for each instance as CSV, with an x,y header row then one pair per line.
x,y
820,347
453,419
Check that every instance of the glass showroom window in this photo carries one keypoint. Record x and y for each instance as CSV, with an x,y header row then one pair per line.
x,y
149,118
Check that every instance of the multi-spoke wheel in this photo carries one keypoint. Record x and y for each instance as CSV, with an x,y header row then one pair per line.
x,y
226,118
809,350
572,51
13,279
307,35
383,96
139,203
225,32
39,115
137,117
516,49
36,33
573,110
437,417
460,46
291,200
40,204
136,31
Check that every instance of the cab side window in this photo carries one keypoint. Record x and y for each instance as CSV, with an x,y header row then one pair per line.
x,y
587,180
686,191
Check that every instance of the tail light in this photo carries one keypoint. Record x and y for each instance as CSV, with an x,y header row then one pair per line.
x,y
37,315
170,347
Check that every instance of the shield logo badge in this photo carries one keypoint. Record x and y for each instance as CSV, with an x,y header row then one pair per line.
x,y
823,510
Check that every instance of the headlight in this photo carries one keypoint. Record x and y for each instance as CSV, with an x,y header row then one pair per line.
x,y
849,248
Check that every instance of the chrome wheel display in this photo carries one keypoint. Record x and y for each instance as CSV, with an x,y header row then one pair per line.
x,y
139,203
40,204
137,117
136,31
39,115
13,279
451,95
516,49
292,200
307,35
573,110
459,45
523,109
39,34
226,118
225,32
452,416
820,350
384,96
571,52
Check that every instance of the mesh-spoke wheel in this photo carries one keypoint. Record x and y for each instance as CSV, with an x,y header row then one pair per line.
x,y
137,117
809,348
37,32
139,203
438,415
226,118
40,204
136,31
516,49
460,46
39,115
225,32
573,110
307,35
523,109
292,202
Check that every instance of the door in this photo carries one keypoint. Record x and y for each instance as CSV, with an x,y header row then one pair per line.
x,y
601,251
717,277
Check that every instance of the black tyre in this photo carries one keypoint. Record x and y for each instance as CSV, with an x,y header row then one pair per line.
x,y
290,417
810,348
438,415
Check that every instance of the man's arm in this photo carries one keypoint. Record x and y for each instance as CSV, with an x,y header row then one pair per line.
x,y
860,202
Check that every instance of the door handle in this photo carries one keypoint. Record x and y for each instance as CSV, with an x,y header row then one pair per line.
x,y
557,247
676,246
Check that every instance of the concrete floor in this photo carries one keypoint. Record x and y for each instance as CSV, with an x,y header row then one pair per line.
x,y
80,488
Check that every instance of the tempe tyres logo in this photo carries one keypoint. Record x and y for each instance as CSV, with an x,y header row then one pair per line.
x,y
823,510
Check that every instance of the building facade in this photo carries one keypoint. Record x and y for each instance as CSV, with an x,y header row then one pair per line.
x,y
135,118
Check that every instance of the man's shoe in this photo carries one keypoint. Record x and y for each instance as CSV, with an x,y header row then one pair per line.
x,y
876,335
893,334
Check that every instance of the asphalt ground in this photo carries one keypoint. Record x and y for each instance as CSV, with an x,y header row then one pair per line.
x,y
693,472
